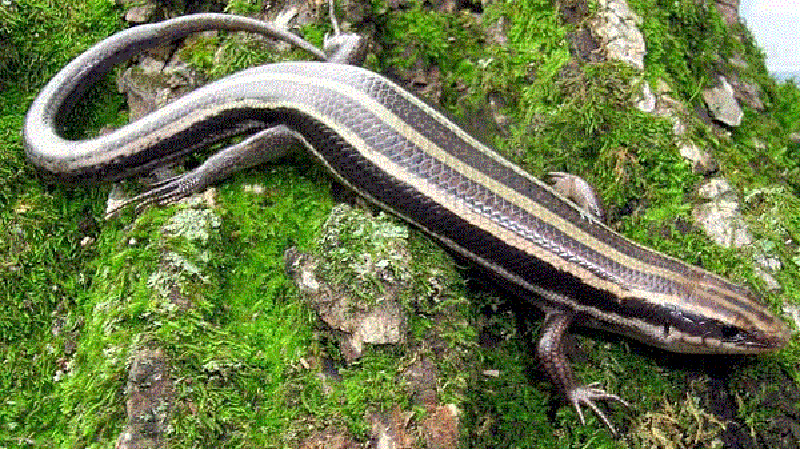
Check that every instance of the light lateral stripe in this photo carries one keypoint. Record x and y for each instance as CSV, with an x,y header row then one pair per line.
x,y
488,226
139,133
652,334
142,137
566,226
487,151
457,207
410,133
356,141
498,188
465,170
651,330
667,299
579,235
414,136
425,144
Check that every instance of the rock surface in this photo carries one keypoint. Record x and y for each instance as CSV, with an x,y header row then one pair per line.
x,y
722,103
616,25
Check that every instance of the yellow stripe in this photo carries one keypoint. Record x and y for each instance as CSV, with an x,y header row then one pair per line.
x,y
457,205
498,188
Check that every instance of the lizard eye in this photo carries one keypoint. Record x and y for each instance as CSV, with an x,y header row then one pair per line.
x,y
731,333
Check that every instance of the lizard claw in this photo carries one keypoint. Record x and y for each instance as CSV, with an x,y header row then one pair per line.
x,y
587,395
162,193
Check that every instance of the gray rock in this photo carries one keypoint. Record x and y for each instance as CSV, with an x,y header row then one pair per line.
x,y
701,160
382,265
715,189
729,10
616,25
647,100
722,104
140,14
720,217
748,94
722,221
792,311
150,398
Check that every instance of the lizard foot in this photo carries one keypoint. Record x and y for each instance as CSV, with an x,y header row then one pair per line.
x,y
588,395
163,192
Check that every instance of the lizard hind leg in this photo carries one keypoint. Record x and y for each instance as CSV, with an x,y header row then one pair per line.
x,y
550,352
264,146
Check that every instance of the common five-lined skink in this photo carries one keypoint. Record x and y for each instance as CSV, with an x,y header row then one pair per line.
x,y
409,159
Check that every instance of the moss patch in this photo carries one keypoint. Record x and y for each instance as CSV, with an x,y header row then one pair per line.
x,y
207,285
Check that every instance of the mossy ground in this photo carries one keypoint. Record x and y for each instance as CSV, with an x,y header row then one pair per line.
x,y
71,313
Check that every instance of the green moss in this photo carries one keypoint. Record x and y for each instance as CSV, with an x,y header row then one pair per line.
x,y
521,72
60,31
244,7
431,39
678,424
232,328
686,43
151,287
223,54
525,70
238,349
362,254
237,382
42,272
370,385
627,154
